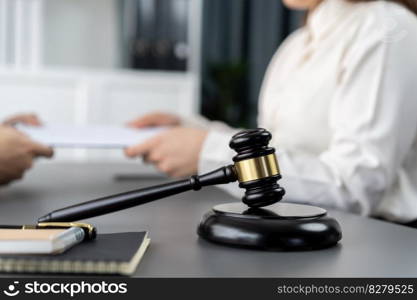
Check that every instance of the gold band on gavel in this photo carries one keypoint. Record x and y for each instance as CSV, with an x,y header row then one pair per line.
x,y
257,168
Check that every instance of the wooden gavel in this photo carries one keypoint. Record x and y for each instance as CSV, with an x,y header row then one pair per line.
x,y
255,168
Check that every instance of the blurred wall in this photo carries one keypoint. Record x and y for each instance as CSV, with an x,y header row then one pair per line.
x,y
93,24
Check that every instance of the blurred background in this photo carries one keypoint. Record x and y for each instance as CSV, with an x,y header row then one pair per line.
x,y
108,61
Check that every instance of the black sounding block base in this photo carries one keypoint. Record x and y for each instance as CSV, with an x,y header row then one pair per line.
x,y
282,226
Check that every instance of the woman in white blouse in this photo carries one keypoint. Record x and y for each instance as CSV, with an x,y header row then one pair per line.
x,y
340,98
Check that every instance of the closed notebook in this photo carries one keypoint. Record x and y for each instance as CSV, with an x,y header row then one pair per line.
x,y
39,241
116,253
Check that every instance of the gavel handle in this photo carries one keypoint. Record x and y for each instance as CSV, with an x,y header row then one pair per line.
x,y
125,200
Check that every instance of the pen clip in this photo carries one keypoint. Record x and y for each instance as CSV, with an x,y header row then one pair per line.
x,y
89,230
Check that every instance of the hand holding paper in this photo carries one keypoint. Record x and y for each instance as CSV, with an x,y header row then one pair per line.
x,y
174,152
17,154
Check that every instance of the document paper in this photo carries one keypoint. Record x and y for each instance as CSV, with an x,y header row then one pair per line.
x,y
88,136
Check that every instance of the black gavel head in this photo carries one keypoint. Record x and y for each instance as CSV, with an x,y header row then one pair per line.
x,y
257,168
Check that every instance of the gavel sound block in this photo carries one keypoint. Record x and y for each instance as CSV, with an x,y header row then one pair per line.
x,y
260,221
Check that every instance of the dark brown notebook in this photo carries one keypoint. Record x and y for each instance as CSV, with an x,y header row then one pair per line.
x,y
115,253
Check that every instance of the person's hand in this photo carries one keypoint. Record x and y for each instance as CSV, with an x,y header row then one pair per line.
x,y
155,119
28,119
175,152
17,153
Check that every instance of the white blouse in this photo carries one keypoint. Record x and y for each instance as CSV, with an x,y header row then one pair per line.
x,y
340,98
